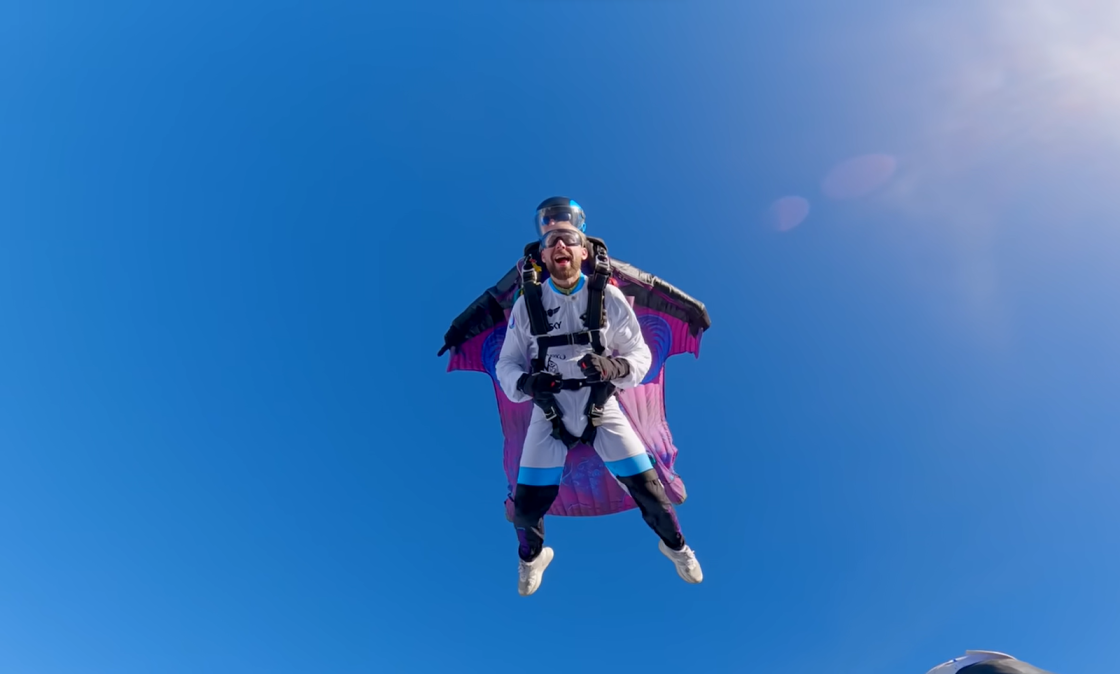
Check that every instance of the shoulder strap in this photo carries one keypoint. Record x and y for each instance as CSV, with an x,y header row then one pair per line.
x,y
596,300
531,288
534,304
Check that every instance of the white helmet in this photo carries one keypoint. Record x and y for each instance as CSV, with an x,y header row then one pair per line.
x,y
969,658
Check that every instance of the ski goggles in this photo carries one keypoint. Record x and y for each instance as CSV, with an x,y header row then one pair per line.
x,y
570,237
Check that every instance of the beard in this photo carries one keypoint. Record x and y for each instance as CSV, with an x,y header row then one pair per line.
x,y
565,273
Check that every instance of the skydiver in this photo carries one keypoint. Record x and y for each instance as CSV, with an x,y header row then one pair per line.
x,y
562,385
985,662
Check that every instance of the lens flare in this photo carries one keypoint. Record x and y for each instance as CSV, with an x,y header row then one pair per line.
x,y
859,176
788,212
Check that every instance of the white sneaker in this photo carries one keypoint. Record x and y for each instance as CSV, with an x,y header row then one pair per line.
x,y
685,560
529,573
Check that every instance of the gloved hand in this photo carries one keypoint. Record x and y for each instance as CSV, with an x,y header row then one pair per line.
x,y
538,383
603,368
453,336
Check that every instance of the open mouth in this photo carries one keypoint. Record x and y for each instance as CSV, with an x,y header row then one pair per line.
x,y
562,259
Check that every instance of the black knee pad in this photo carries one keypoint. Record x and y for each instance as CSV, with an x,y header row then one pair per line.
x,y
646,490
530,503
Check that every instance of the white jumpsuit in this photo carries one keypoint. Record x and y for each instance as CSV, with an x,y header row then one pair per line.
x,y
542,458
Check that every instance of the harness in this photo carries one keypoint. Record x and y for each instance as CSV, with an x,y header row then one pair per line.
x,y
591,336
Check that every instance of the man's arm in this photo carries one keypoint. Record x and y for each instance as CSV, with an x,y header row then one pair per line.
x,y
514,358
480,314
658,294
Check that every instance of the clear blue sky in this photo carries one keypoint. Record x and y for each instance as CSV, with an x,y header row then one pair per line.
x,y
232,235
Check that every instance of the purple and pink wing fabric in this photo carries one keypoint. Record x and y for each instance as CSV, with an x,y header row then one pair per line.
x,y
672,323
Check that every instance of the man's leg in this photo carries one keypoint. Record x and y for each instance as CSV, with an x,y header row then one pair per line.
x,y
530,503
649,493
625,456
538,483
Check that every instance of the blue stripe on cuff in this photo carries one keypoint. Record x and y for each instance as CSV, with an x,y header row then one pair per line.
x,y
630,466
539,477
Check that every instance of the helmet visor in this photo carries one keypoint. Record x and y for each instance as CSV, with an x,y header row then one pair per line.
x,y
559,216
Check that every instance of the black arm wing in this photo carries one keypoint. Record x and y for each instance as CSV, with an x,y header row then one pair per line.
x,y
483,313
660,295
